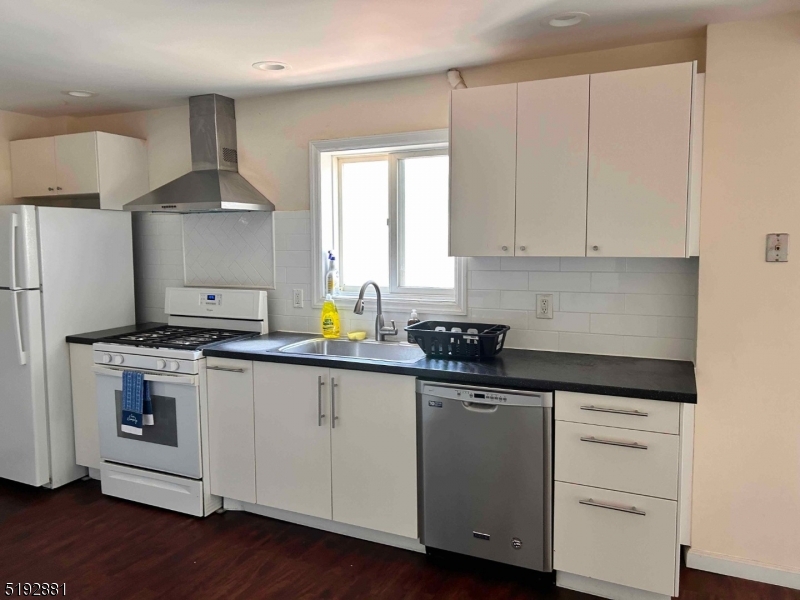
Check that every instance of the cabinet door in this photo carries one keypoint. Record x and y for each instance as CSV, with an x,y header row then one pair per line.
x,y
33,167
122,168
552,158
84,406
374,451
293,438
76,164
232,455
483,123
639,161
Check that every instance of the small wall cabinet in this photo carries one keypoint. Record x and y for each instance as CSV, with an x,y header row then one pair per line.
x,y
112,167
592,165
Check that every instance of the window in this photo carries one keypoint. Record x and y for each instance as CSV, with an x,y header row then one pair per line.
x,y
381,205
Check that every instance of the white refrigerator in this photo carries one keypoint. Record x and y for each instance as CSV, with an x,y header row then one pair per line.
x,y
63,271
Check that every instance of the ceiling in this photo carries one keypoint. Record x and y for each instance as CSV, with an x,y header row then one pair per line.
x,y
140,54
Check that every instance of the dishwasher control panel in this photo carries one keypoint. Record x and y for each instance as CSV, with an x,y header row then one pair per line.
x,y
481,395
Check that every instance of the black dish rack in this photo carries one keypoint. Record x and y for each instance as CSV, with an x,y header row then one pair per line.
x,y
463,341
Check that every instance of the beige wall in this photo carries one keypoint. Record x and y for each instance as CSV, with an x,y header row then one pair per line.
x,y
14,126
274,130
747,452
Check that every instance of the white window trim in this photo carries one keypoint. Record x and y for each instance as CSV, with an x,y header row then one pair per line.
x,y
321,166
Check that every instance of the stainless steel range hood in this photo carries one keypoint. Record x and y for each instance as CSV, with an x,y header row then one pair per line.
x,y
214,183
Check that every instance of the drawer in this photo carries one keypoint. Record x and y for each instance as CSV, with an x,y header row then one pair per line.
x,y
616,411
156,489
640,462
612,536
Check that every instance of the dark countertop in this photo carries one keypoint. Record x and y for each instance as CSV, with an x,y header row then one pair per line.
x,y
94,336
648,378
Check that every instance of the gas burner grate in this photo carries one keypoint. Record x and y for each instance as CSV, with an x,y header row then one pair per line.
x,y
169,336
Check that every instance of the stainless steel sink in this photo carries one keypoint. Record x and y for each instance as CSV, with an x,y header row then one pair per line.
x,y
380,351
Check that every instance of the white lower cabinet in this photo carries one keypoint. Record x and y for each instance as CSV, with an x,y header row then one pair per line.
x,y
617,484
293,438
84,406
232,458
622,538
374,451
329,443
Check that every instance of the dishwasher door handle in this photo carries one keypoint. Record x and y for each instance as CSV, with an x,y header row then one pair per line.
x,y
480,407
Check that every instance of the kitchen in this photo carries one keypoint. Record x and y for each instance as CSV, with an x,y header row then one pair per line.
x,y
623,327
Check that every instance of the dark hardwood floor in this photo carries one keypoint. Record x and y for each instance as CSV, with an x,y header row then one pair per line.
x,y
107,548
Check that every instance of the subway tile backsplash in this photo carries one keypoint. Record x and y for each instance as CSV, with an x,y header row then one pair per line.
x,y
634,307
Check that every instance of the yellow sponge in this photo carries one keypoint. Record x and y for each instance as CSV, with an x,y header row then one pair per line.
x,y
357,335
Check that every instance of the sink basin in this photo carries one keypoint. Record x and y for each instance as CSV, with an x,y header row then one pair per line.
x,y
381,351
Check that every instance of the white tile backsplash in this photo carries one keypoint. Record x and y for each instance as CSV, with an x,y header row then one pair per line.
x,y
636,307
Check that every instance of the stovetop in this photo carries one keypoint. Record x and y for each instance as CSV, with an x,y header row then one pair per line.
x,y
178,338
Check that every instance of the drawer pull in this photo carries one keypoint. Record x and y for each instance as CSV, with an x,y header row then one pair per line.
x,y
631,510
634,445
616,411
226,369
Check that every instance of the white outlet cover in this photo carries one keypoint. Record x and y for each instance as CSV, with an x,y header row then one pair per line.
x,y
297,298
544,306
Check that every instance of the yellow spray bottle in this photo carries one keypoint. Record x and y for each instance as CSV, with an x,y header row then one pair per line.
x,y
330,318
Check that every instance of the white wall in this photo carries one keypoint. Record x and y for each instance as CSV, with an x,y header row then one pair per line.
x,y
747,449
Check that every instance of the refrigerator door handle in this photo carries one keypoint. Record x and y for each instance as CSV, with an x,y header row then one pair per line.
x,y
23,356
13,254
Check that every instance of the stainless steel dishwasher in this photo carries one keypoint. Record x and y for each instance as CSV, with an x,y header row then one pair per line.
x,y
486,472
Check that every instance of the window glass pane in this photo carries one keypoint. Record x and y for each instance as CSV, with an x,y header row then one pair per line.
x,y
364,213
424,210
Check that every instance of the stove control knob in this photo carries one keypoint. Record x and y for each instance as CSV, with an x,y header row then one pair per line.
x,y
174,365
106,358
161,364
118,359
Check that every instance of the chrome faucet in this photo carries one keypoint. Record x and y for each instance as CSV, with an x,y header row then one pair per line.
x,y
381,330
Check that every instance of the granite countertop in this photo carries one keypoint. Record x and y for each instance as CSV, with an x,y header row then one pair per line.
x,y
648,378
94,336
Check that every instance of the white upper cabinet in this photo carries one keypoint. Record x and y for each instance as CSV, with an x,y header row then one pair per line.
x,y
483,131
640,122
76,164
552,150
33,167
111,167
592,165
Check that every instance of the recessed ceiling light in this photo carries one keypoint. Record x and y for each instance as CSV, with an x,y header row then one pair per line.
x,y
567,19
80,94
270,65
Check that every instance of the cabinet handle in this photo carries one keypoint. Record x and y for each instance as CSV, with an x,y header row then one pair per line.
x,y
505,248
631,510
616,411
226,369
595,248
334,418
634,445
50,189
522,248
320,385
59,189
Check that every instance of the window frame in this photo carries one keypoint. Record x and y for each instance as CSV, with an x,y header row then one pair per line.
x,y
324,166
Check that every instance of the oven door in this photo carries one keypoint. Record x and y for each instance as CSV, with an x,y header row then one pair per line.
x,y
172,445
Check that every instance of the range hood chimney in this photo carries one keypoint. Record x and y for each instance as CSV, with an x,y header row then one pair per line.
x,y
214,183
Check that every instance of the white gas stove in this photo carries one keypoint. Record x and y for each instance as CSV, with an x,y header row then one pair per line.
x,y
167,465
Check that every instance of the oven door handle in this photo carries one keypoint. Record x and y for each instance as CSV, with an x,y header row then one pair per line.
x,y
175,379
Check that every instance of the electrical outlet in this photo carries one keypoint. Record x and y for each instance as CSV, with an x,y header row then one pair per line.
x,y
544,306
297,298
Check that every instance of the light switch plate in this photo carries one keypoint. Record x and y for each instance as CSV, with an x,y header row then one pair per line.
x,y
777,247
